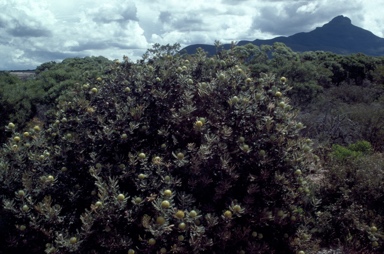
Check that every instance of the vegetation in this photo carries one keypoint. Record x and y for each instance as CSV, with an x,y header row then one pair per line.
x,y
355,150
21,100
351,211
253,150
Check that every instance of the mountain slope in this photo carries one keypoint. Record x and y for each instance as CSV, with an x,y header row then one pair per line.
x,y
339,36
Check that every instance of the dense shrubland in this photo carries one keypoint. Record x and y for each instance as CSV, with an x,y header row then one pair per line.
x,y
195,154
21,100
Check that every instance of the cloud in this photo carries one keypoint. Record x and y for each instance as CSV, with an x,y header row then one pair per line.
x,y
114,12
165,17
25,31
307,8
192,21
44,32
22,22
42,55
99,45
234,2
289,17
202,22
37,31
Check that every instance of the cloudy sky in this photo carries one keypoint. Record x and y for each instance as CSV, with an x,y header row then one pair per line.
x,y
37,31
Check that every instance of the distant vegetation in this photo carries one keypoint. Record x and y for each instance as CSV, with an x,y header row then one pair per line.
x,y
339,36
340,97
21,100
184,150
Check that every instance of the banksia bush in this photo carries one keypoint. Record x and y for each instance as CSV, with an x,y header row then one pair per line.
x,y
173,154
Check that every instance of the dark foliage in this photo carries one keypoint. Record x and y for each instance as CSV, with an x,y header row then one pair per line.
x,y
190,155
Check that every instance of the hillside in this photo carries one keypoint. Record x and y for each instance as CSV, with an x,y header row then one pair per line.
x,y
338,36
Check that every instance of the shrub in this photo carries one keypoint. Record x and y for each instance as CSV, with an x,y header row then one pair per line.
x,y
361,146
183,154
21,100
351,213
352,151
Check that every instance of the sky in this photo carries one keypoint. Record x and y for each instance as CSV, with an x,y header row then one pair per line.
x,y
33,32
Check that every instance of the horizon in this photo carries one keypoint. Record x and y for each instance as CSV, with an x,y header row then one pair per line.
x,y
40,31
339,16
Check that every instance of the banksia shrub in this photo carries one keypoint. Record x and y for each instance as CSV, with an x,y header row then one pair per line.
x,y
172,154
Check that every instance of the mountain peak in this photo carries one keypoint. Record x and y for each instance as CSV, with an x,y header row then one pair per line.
x,y
340,20
338,36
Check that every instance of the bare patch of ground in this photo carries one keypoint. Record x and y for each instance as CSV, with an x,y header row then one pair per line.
x,y
24,75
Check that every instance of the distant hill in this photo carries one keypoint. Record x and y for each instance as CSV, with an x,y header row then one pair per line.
x,y
338,36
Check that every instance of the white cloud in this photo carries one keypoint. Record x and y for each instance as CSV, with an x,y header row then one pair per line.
x,y
309,8
374,21
34,29
37,31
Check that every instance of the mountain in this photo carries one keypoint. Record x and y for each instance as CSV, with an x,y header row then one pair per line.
x,y
339,36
